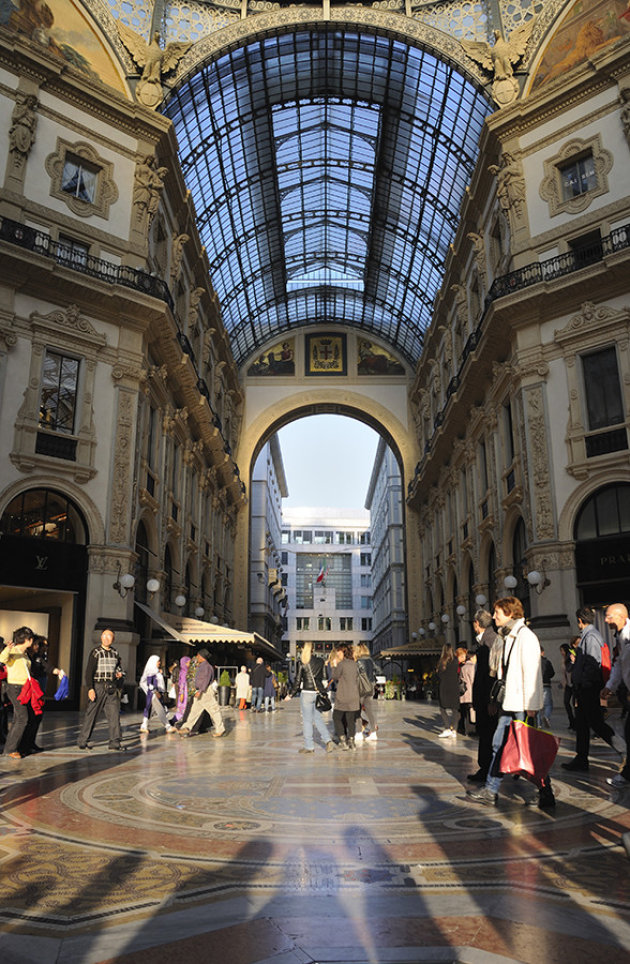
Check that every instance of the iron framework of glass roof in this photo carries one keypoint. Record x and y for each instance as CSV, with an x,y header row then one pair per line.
x,y
327,170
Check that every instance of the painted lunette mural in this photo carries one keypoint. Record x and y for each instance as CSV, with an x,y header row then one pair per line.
x,y
65,30
590,26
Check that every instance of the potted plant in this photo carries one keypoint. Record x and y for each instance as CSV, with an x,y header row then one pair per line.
x,y
225,687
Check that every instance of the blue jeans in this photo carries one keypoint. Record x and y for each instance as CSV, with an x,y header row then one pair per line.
x,y
257,697
311,717
500,736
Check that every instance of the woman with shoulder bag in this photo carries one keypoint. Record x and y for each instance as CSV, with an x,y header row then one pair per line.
x,y
367,668
309,683
347,700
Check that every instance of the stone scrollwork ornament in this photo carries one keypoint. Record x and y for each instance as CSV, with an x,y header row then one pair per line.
x,y
500,58
153,60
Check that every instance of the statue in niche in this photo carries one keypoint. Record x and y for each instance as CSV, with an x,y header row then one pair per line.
x,y
148,186
22,130
153,60
510,183
500,58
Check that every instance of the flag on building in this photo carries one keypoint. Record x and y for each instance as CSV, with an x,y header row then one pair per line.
x,y
323,571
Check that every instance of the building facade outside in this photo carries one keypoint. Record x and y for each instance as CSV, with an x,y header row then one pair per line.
x,y
385,502
327,567
267,593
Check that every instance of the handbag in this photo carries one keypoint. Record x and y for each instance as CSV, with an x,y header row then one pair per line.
x,y
528,751
497,690
322,703
365,687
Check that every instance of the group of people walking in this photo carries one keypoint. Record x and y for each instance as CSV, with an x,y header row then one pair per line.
x,y
511,680
349,674
24,672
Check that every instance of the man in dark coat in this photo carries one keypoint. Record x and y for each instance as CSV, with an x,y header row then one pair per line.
x,y
257,679
488,653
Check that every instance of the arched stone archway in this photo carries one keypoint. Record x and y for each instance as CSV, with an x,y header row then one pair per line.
x,y
269,407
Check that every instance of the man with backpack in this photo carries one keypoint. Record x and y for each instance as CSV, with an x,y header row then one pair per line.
x,y
588,683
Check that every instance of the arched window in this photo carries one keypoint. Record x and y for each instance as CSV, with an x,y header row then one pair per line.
x,y
492,565
602,551
44,514
519,546
142,563
168,579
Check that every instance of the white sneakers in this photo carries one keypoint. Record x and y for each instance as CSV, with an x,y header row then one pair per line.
x,y
372,738
446,733
144,726
169,728
618,781
358,737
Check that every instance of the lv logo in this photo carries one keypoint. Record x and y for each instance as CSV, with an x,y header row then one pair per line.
x,y
41,563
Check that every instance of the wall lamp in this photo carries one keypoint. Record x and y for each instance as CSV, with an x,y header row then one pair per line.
x,y
124,582
199,612
180,601
461,611
445,618
153,586
537,580
510,582
432,627
480,599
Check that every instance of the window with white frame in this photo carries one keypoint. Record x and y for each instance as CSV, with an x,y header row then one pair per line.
x,y
302,623
324,624
345,623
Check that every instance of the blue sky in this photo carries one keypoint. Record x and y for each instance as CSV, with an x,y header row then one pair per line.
x,y
328,461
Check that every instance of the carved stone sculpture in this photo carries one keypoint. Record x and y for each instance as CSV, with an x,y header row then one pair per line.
x,y
510,184
147,188
624,95
500,58
22,130
154,62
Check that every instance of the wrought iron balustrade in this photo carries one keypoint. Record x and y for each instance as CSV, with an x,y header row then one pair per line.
x,y
70,257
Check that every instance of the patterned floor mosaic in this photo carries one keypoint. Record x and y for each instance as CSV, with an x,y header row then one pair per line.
x,y
241,848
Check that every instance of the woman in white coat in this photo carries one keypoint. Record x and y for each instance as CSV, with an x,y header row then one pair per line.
x,y
520,669
242,688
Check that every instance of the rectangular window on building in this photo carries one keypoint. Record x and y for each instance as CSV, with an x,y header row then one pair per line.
x,y
79,178
366,602
366,558
286,537
366,580
345,623
60,380
284,558
365,539
302,623
509,434
604,403
578,176
344,538
483,466
324,624
366,624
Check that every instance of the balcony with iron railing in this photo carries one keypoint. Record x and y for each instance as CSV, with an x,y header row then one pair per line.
x,y
522,278
69,257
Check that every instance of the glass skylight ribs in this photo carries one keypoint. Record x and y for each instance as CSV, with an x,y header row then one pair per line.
x,y
327,171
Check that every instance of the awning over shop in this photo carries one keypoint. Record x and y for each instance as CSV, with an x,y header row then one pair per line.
x,y
196,632
418,647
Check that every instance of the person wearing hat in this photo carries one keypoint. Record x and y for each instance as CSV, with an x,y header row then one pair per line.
x,y
204,698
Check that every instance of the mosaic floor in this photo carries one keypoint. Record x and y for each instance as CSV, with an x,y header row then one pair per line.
x,y
243,850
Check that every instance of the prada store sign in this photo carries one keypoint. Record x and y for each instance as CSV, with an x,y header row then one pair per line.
x,y
603,559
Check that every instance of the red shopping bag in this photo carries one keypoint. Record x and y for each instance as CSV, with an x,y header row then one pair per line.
x,y
31,693
529,751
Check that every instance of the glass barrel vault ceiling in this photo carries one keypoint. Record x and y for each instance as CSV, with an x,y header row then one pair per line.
x,y
327,170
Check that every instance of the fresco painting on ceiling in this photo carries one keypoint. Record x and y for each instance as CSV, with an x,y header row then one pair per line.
x,y
75,42
326,354
278,360
590,26
374,360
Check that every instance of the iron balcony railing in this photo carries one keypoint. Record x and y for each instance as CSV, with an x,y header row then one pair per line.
x,y
71,256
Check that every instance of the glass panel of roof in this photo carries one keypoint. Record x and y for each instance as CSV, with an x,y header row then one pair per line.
x,y
327,169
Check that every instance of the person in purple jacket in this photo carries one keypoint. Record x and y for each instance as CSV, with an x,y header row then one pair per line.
x,y
204,698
